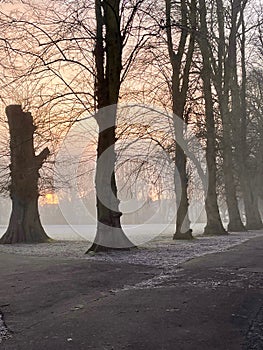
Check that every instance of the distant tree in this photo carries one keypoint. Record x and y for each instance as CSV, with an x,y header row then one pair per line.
x,y
240,117
220,58
254,96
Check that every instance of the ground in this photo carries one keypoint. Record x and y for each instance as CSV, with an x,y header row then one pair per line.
x,y
213,301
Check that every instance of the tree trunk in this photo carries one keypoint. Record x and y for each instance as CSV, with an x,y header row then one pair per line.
x,y
214,224
253,218
238,116
235,223
183,230
222,85
109,235
108,56
24,225
180,84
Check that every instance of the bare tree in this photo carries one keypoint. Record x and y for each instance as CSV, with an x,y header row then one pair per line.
x,y
82,56
239,115
108,56
24,225
254,95
180,83
214,223
220,57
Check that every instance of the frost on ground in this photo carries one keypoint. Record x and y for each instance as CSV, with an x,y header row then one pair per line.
x,y
4,333
162,252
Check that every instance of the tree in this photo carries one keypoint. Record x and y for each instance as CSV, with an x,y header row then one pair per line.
x,y
220,56
214,223
60,51
254,94
180,84
24,225
240,116
108,56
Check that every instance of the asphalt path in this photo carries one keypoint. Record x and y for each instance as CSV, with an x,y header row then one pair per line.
x,y
211,302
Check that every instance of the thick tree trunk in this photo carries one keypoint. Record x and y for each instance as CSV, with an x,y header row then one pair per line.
x,y
253,219
239,108
251,195
222,84
183,230
108,56
180,84
214,224
24,225
109,235
238,116
235,223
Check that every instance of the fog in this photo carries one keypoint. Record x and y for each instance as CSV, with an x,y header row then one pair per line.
x,y
142,220
76,219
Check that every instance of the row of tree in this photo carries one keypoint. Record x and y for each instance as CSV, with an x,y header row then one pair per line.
x,y
200,59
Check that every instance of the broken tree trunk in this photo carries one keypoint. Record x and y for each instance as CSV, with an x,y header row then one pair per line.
x,y
24,225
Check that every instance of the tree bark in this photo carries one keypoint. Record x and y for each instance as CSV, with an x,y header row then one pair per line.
x,y
222,84
108,56
24,225
214,224
235,223
239,108
180,83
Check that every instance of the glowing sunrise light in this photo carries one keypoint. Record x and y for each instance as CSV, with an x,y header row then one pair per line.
x,y
49,199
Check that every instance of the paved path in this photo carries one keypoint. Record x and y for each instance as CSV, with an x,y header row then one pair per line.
x,y
212,302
